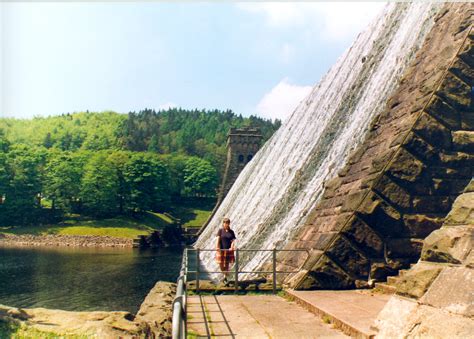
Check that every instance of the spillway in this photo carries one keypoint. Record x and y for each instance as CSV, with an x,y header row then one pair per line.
x,y
271,198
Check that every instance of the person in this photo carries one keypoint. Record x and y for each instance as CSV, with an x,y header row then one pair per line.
x,y
225,246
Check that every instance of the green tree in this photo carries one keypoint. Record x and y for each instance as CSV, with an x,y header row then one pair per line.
x,y
200,178
23,190
100,187
148,182
62,181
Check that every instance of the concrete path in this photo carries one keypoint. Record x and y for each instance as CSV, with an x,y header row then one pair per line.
x,y
352,311
257,316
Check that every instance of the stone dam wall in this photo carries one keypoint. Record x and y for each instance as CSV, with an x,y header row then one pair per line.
x,y
435,298
402,181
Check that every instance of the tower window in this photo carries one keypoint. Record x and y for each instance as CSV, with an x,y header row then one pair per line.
x,y
241,158
249,157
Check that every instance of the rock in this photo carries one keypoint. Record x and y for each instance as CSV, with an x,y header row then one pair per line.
x,y
449,245
401,318
86,324
452,291
462,212
416,281
156,310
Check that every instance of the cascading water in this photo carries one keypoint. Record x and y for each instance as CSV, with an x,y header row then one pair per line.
x,y
274,193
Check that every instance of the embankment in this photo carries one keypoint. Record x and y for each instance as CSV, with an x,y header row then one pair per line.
x,y
53,240
153,320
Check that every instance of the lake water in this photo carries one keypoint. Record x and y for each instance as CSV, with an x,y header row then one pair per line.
x,y
83,279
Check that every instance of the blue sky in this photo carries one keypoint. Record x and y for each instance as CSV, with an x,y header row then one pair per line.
x,y
253,58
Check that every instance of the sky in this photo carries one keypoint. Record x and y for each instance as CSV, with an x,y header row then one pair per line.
x,y
253,58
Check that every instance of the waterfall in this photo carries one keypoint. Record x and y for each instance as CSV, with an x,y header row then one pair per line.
x,y
272,196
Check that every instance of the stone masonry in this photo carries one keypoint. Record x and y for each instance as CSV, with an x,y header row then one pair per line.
x,y
242,144
402,181
435,298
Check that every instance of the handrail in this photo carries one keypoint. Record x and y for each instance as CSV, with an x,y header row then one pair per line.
x,y
179,302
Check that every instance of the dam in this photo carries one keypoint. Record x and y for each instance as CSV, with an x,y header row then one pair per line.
x,y
372,171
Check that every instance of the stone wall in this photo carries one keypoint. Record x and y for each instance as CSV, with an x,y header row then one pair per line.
x,y
435,298
401,182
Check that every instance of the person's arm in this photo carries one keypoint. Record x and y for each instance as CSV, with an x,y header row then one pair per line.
x,y
218,240
232,244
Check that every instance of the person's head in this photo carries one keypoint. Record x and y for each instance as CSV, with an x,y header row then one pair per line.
x,y
226,223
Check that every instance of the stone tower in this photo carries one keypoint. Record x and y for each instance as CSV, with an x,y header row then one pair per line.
x,y
242,144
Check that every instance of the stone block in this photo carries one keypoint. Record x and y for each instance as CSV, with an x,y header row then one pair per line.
x,y
444,112
397,195
406,167
365,238
428,154
394,317
455,92
416,281
431,204
432,131
463,71
463,141
467,53
453,291
380,270
325,275
404,248
349,257
457,159
449,245
381,161
381,217
467,120
421,225
462,211
321,240
402,318
352,201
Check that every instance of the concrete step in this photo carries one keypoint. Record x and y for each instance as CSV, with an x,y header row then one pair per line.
x,y
354,312
392,280
385,288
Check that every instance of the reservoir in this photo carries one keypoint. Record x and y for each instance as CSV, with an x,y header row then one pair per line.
x,y
84,279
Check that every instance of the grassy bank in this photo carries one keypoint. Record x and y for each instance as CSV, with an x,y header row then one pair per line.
x,y
192,214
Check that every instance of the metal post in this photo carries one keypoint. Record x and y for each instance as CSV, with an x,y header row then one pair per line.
x,y
197,270
236,284
274,271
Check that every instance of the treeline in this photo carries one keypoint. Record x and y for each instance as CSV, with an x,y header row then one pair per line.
x,y
41,185
106,164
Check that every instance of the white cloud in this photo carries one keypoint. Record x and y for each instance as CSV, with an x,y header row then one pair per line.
x,y
340,20
282,100
167,106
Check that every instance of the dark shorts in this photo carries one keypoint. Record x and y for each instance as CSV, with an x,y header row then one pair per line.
x,y
225,257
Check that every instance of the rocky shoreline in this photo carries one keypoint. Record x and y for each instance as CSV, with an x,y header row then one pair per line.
x,y
54,240
153,319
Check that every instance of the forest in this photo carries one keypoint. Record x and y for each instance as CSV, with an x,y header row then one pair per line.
x,y
104,164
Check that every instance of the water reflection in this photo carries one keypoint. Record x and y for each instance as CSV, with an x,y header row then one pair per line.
x,y
83,279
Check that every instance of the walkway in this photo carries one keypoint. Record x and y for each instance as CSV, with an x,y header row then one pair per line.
x,y
353,311
253,316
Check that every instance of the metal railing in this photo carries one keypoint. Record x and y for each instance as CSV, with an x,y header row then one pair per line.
x,y
179,302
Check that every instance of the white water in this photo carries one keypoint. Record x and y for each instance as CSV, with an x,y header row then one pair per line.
x,y
270,199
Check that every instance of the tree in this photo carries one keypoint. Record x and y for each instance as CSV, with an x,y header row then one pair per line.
x,y
24,186
147,180
99,187
62,179
200,178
